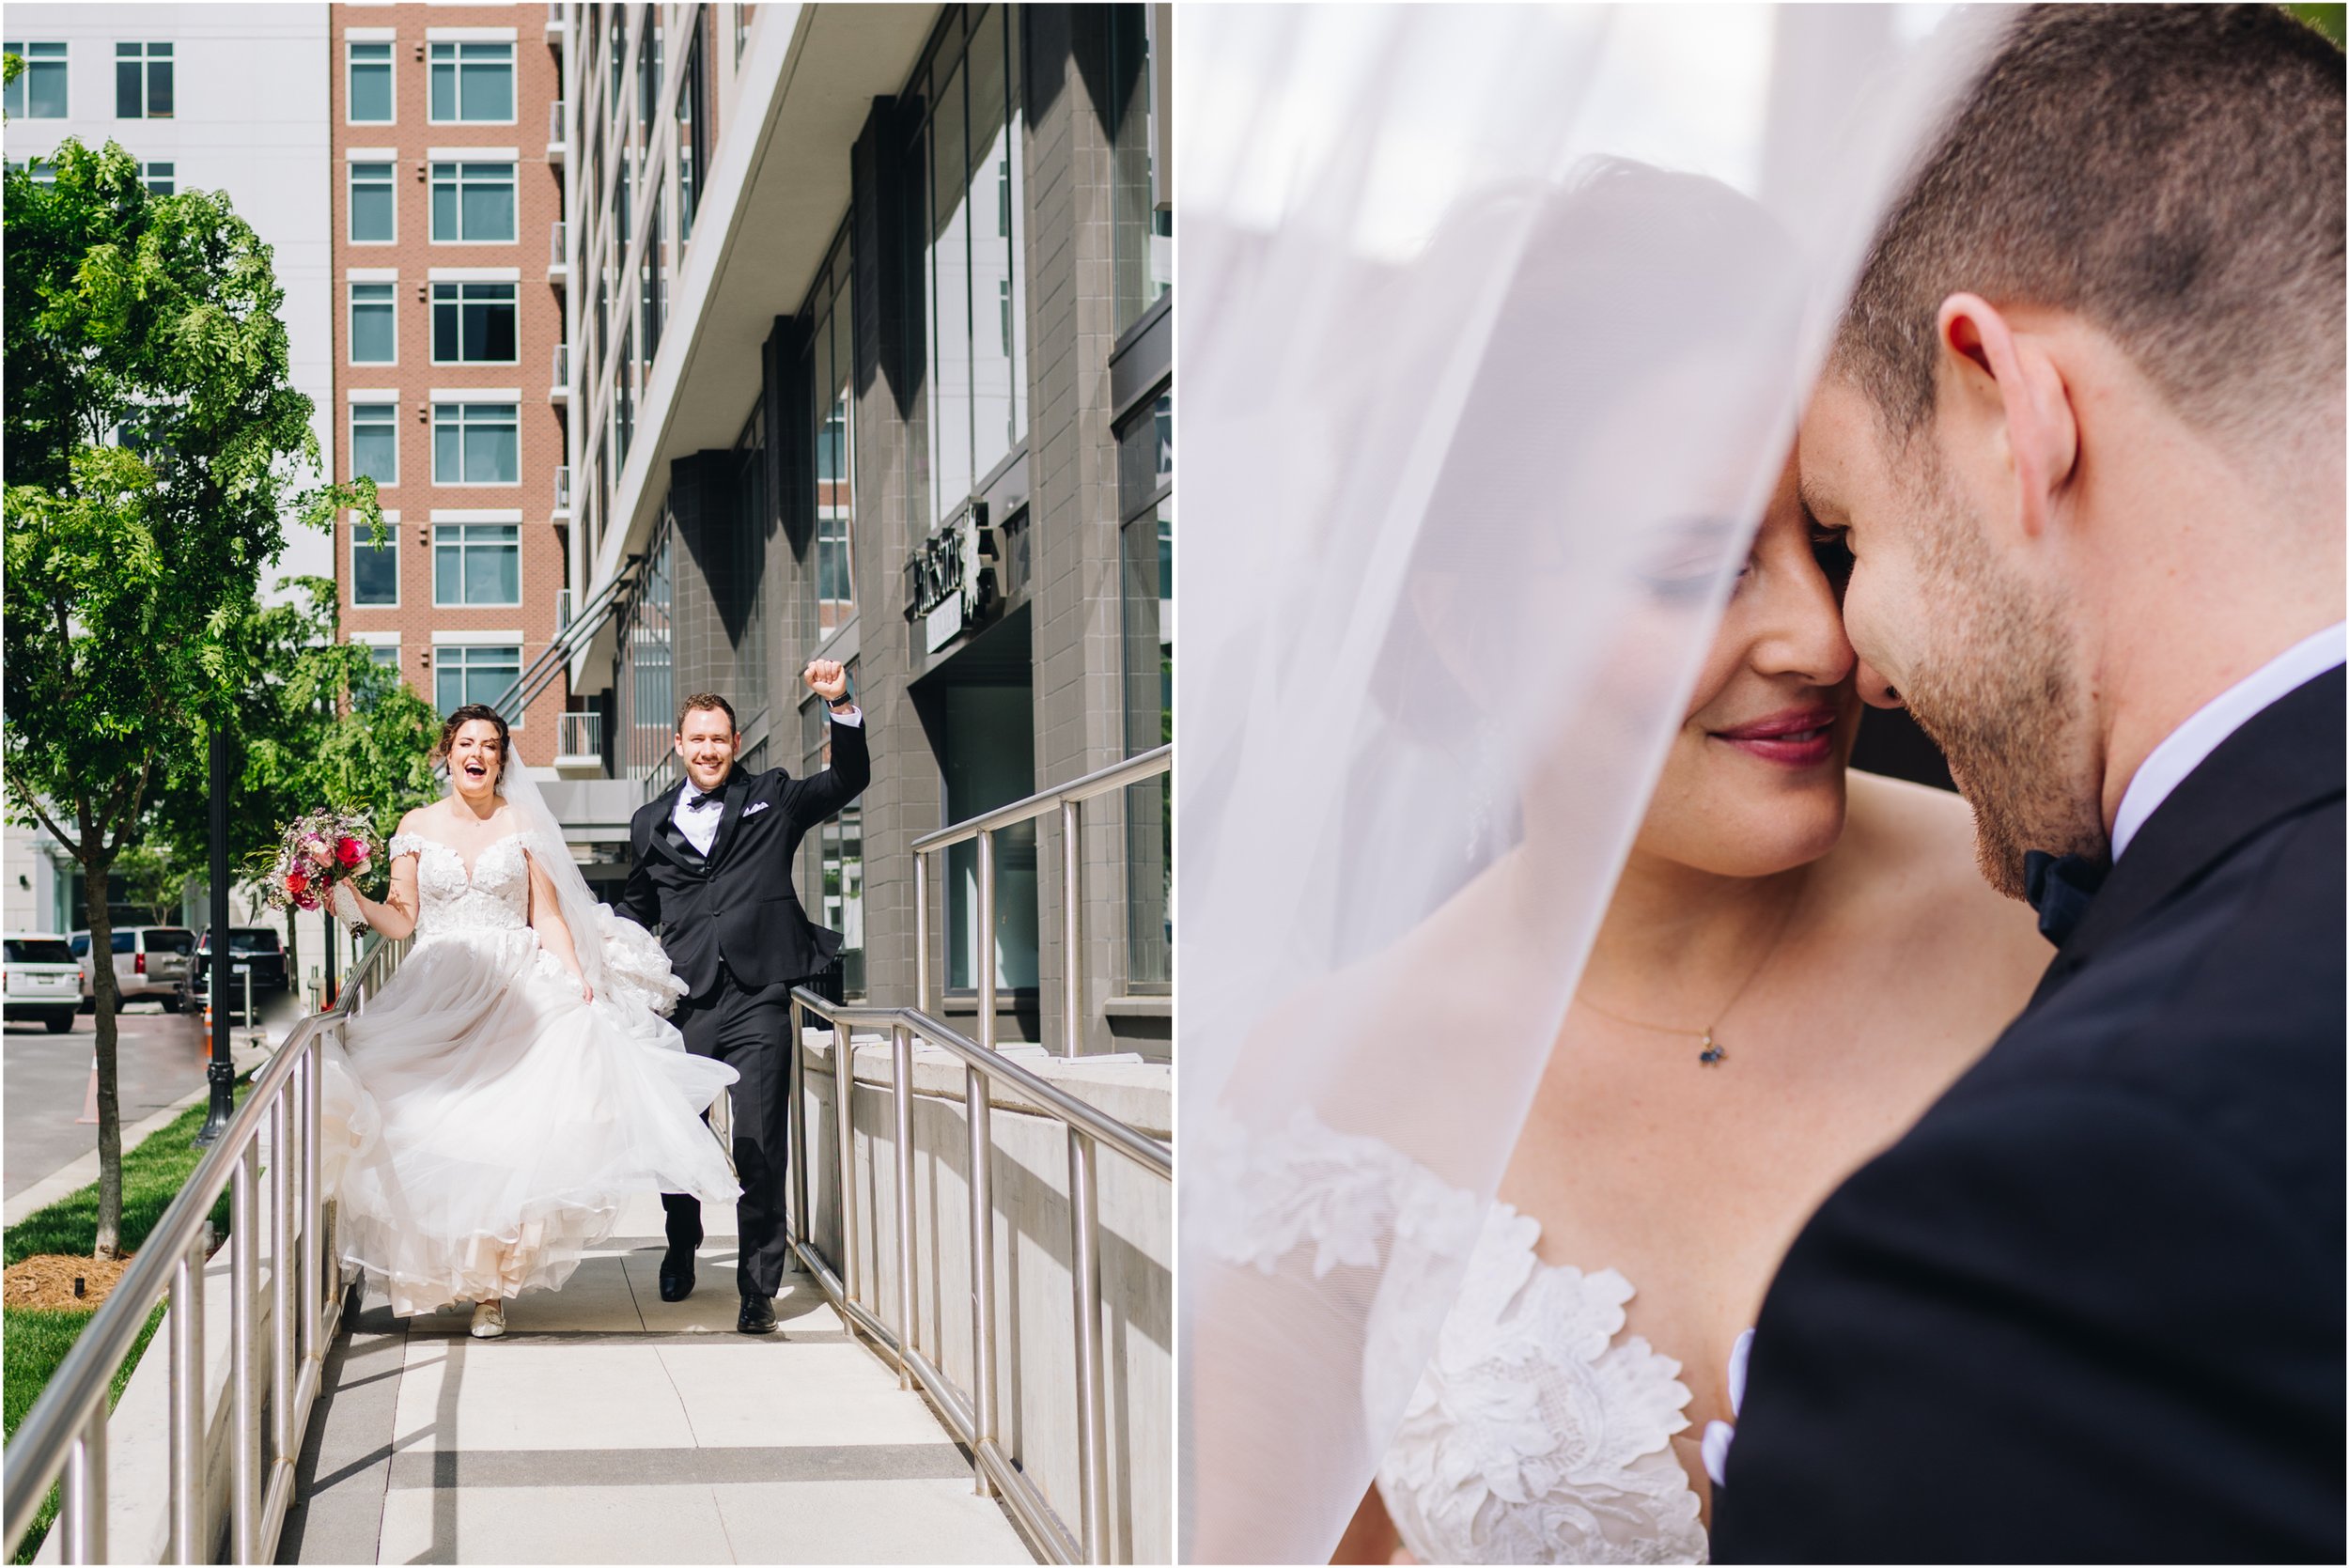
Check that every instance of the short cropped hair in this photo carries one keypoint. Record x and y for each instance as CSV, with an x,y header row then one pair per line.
x,y
2171,174
702,702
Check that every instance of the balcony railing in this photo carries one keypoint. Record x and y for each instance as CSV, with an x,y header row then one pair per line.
x,y
562,611
555,19
556,138
558,260
563,488
559,388
581,735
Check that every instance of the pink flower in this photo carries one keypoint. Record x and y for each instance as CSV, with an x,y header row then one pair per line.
x,y
306,900
351,852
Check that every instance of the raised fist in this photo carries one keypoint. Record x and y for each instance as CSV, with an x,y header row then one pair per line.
x,y
827,677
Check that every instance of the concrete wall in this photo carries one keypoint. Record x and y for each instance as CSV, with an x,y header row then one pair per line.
x,y
1035,1360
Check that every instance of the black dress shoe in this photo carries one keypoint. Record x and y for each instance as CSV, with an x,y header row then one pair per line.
x,y
676,1273
758,1315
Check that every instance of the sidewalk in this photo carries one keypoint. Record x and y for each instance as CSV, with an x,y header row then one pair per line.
x,y
610,1426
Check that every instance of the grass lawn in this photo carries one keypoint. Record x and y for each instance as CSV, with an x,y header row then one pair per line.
x,y
32,1341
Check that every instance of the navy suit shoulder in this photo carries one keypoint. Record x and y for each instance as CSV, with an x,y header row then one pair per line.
x,y
2090,1307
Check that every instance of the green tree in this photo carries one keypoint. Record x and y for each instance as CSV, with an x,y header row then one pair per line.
x,y
317,723
134,321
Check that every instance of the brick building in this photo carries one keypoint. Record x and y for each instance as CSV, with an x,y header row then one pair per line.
x,y
446,194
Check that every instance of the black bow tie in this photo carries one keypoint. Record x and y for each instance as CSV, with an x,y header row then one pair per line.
x,y
2060,888
695,803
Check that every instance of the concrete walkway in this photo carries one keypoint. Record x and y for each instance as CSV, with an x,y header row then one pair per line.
x,y
610,1426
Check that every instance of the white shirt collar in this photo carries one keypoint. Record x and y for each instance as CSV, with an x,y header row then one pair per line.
x,y
2186,747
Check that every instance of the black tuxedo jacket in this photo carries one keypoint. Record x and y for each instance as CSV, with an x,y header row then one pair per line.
x,y
2090,1309
738,902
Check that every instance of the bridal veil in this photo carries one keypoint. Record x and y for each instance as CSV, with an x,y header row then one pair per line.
x,y
1496,322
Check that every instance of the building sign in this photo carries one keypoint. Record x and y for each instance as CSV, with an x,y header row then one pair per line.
x,y
950,581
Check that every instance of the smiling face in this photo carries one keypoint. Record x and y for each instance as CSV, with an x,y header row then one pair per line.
x,y
706,743
1976,650
475,758
1754,784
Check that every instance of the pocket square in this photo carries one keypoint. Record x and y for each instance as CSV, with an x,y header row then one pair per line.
x,y
755,807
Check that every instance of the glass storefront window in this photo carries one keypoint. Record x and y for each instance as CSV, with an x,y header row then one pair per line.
x,y
1146,463
1141,212
974,273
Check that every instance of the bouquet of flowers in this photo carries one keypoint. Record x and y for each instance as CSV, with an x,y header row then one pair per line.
x,y
314,853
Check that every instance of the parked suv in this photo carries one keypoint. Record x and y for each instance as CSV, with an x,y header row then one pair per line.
x,y
42,977
257,947
151,961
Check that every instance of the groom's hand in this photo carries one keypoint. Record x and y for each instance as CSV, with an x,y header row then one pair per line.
x,y
827,677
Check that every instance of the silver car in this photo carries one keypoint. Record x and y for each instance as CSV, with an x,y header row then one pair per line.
x,y
42,979
149,963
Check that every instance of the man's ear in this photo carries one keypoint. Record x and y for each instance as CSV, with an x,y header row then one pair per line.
x,y
2003,388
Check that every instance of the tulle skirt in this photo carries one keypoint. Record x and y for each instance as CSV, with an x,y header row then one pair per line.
x,y
487,1122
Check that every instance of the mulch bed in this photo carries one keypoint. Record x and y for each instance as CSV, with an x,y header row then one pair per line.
x,y
48,1281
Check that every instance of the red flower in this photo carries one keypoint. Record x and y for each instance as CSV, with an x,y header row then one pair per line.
x,y
350,851
306,901
296,882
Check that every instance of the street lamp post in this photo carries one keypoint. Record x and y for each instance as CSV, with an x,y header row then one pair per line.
x,y
223,1072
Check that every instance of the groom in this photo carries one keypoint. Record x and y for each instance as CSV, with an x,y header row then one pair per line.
x,y
2083,428
712,869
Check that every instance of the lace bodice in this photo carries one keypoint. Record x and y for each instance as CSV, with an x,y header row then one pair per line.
x,y
495,897
1538,1432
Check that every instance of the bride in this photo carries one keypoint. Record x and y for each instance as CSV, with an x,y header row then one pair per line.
x,y
1562,964
515,1080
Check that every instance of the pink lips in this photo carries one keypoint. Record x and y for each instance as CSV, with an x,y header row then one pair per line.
x,y
1799,738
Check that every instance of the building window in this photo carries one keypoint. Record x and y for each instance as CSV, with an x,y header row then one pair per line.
x,y
1141,212
142,81
474,324
475,443
161,180
832,385
624,397
374,329
473,204
375,442
39,91
839,855
370,85
476,563
692,156
473,82
742,30
652,282
375,568
374,218
973,272
1146,464
40,171
463,673
643,678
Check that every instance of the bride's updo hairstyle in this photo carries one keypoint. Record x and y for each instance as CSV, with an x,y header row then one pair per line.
x,y
458,720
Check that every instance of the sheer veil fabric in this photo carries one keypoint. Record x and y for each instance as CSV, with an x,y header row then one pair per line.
x,y
1496,321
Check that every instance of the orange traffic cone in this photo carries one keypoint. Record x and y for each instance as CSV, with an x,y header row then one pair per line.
x,y
89,1104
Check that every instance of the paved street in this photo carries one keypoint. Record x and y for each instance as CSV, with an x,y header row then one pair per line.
x,y
46,1081
610,1426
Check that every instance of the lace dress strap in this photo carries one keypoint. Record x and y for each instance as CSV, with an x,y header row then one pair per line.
x,y
407,844
1268,1192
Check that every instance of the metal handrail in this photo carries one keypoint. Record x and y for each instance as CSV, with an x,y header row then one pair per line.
x,y
1068,801
972,1415
65,1432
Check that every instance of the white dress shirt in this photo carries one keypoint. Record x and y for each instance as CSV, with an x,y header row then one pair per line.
x,y
2186,747
700,824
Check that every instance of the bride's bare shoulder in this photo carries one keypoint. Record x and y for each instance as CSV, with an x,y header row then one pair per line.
x,y
418,819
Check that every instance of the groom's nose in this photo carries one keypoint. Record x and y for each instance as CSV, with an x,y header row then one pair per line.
x,y
1875,690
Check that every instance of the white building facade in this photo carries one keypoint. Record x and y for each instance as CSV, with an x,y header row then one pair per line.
x,y
231,98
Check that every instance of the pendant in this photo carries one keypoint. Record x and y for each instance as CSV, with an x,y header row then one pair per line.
x,y
1711,1054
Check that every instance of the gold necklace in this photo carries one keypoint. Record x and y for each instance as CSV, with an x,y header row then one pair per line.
x,y
1709,1052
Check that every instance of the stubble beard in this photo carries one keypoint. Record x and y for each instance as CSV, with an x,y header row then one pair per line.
x,y
1998,694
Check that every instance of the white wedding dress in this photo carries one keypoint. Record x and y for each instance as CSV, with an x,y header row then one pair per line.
x,y
491,1120
1539,1432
